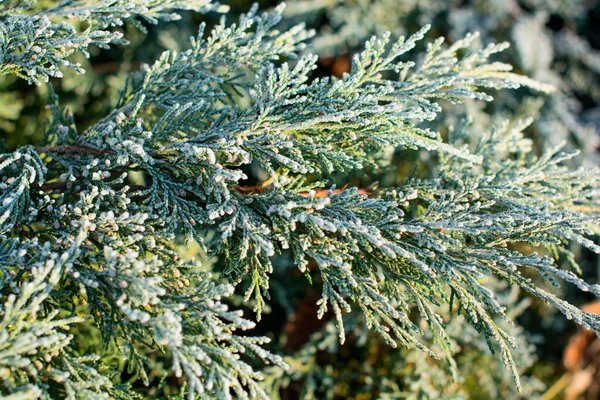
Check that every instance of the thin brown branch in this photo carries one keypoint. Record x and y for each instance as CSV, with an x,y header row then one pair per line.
x,y
319,193
247,190
255,189
62,186
71,149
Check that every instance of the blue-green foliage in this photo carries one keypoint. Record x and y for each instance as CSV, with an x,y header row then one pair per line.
x,y
90,218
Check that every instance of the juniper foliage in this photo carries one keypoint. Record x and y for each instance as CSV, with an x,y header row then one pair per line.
x,y
549,45
90,218
367,367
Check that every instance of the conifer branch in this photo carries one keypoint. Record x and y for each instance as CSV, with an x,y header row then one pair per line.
x,y
106,206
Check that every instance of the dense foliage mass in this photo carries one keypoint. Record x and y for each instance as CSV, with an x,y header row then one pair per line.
x,y
142,236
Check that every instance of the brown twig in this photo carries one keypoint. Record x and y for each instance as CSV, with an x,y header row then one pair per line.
x,y
71,149
255,189
319,193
